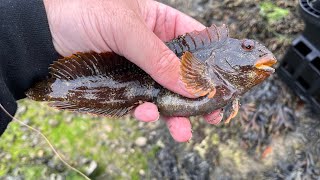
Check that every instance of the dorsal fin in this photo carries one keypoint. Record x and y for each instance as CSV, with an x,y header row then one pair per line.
x,y
87,64
196,40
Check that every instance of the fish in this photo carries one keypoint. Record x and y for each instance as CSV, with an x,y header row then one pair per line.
x,y
214,67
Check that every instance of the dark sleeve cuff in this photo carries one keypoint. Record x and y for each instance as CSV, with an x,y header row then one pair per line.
x,y
9,103
26,50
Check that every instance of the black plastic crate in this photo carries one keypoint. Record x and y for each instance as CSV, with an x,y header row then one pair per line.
x,y
300,67
310,12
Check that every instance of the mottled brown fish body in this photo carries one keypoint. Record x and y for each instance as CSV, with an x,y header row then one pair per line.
x,y
171,104
215,67
95,87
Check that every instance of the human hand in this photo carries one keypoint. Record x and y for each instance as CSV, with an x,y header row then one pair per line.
x,y
134,29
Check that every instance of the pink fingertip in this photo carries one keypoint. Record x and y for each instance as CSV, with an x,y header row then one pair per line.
x,y
213,118
146,112
180,128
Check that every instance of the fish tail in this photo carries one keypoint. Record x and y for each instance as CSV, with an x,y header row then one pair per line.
x,y
40,92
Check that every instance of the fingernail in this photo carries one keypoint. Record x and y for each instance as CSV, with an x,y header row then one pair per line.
x,y
149,112
213,118
156,119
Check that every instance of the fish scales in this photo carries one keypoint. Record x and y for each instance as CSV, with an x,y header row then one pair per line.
x,y
216,68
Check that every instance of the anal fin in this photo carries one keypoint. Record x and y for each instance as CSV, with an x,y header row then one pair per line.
x,y
108,112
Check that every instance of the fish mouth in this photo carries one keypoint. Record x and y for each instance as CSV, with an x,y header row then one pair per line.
x,y
265,63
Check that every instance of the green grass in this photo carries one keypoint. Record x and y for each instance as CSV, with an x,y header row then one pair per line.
x,y
75,136
272,12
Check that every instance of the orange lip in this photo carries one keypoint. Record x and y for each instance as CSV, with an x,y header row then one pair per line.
x,y
265,63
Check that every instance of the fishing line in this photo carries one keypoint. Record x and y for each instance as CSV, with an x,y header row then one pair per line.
x,y
48,142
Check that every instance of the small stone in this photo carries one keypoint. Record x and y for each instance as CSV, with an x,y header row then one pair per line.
x,y
69,119
53,122
141,124
84,160
51,164
91,168
26,121
142,172
121,150
40,153
23,159
132,151
21,109
153,133
141,141
160,143
8,156
24,137
107,128
55,177
113,146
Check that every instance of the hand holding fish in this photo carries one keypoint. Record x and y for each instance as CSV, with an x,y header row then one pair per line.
x,y
133,29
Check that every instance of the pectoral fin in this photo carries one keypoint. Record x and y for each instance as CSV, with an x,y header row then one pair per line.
x,y
195,76
231,111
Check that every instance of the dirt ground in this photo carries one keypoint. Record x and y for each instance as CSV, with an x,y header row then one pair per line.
x,y
274,137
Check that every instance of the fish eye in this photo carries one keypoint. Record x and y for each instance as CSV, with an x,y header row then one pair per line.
x,y
247,45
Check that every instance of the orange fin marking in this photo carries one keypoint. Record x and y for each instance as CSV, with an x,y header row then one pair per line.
x,y
204,93
195,76
235,110
212,93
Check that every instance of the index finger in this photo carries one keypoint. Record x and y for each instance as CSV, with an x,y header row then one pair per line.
x,y
167,22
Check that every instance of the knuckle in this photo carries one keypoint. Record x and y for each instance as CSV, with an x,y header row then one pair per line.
x,y
165,64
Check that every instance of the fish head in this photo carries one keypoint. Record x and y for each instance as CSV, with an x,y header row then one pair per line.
x,y
243,63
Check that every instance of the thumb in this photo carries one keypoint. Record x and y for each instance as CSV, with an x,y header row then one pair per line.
x,y
147,51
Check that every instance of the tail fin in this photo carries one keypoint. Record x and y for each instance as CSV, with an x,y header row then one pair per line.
x,y
40,91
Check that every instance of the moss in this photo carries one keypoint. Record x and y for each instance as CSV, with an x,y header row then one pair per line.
x,y
215,139
76,137
272,12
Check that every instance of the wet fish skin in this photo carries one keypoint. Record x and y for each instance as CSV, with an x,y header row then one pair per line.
x,y
217,67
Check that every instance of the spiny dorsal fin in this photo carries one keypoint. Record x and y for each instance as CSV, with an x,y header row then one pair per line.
x,y
209,35
196,40
195,76
87,64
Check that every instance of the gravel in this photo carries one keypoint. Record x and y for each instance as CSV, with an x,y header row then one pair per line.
x,y
275,135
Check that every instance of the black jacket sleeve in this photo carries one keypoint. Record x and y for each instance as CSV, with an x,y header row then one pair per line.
x,y
26,51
